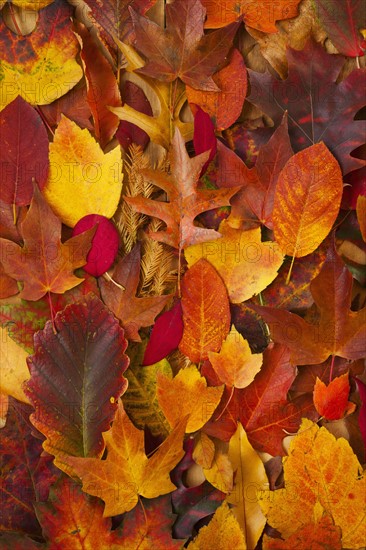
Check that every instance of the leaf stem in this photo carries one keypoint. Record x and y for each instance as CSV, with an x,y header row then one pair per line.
x,y
331,369
52,312
227,404
290,271
14,214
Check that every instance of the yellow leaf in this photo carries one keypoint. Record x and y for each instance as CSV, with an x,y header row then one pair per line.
x,y
13,367
188,394
321,534
320,469
235,365
127,472
250,477
31,4
223,532
82,179
204,450
246,265
361,214
41,67
220,474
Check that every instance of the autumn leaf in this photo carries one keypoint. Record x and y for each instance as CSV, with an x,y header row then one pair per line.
x,y
165,336
224,106
127,472
331,401
119,295
24,152
317,106
206,313
307,200
82,179
234,364
323,533
321,473
250,476
40,67
221,533
186,202
200,56
246,264
187,394
8,285
31,4
361,214
13,367
343,22
26,472
50,263
204,450
79,405
260,15
73,105
128,133
336,330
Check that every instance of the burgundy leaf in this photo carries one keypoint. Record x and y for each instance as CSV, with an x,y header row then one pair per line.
x,y
165,336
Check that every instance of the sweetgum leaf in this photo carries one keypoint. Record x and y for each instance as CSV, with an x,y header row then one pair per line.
x,y
76,376
317,106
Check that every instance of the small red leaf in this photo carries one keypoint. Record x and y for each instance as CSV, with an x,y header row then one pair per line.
x,y
331,401
204,138
165,336
104,247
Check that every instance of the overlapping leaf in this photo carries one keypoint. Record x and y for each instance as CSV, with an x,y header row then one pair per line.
x,y
44,264
76,377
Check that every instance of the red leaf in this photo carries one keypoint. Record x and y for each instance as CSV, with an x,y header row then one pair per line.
x,y
362,414
343,22
204,138
332,401
310,94
165,336
76,377
73,105
24,152
127,132
104,247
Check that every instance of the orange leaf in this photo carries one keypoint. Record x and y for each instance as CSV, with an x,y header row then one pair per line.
x,y
206,311
187,394
127,472
258,14
186,201
332,401
323,534
235,365
101,85
44,264
307,200
361,214
225,105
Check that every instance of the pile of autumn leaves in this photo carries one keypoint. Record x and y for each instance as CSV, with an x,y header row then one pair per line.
x,y
74,448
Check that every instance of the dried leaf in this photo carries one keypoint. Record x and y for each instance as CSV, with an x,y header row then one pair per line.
x,y
331,401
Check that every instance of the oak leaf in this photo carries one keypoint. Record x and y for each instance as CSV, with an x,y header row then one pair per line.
x,y
224,106
44,264
336,330
321,472
102,86
24,152
309,96
246,264
206,311
40,67
185,200
127,473
120,296
234,364
331,401
260,15
221,533
72,390
307,200
200,56
250,476
82,179
187,394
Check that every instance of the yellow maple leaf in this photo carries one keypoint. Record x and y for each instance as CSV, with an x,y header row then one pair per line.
x,y
246,264
221,533
41,67
187,394
250,477
127,472
220,473
82,179
13,367
234,364
320,472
